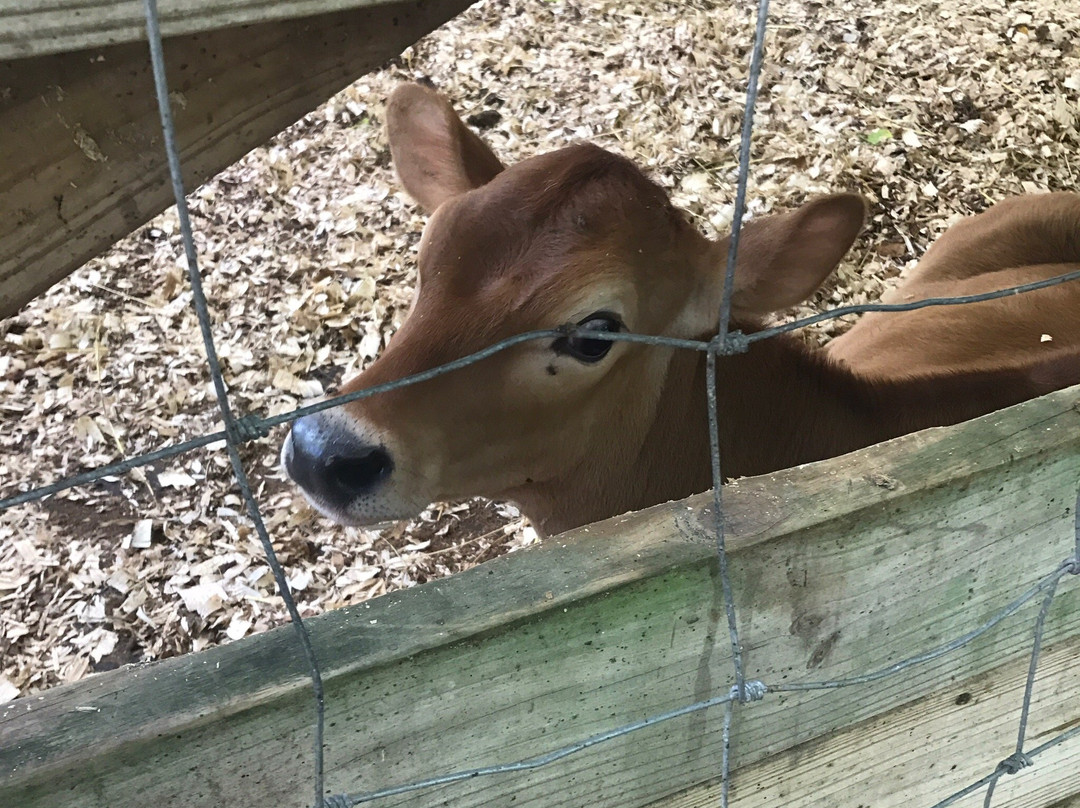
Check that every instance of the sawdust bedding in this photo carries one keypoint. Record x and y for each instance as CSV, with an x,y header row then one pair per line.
x,y
932,110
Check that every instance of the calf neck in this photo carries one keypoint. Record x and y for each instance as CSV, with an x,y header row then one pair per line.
x,y
577,429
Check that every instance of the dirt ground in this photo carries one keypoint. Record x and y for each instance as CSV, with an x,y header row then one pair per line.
x,y
931,110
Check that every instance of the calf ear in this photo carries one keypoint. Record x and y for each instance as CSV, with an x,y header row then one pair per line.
x,y
436,155
783,259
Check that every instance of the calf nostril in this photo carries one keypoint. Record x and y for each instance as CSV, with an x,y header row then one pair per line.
x,y
360,471
332,465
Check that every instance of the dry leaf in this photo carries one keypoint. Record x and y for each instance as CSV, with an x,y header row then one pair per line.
x,y
8,691
308,248
175,479
204,599
141,535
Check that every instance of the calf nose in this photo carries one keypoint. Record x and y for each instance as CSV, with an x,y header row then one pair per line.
x,y
331,464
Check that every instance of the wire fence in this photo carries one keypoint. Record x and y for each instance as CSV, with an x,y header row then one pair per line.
x,y
239,430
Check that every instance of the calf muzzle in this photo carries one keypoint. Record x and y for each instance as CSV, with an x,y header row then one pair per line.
x,y
333,466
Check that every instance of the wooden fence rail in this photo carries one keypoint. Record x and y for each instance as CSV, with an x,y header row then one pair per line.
x,y
81,156
839,568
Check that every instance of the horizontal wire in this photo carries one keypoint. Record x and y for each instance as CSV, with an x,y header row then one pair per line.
x,y
736,342
865,308
264,423
994,775
1011,608
570,749
1048,582
534,762
112,470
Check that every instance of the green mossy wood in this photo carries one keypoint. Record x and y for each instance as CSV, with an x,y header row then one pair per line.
x,y
839,568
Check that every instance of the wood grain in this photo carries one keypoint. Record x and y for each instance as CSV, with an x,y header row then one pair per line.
x,y
82,161
839,568
36,28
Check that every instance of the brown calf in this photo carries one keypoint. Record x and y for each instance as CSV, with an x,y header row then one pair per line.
x,y
1017,241
578,429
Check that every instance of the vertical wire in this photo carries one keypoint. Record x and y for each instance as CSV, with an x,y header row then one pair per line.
x,y
232,439
720,343
1076,546
1018,760
756,59
1029,686
725,782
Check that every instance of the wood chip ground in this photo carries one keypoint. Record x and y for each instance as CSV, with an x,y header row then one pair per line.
x,y
931,110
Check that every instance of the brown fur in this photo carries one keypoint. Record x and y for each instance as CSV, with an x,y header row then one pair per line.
x,y
559,237
1017,241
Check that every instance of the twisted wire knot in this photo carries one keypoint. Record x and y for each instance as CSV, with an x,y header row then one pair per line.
x,y
1014,763
753,690
250,427
1072,566
337,801
734,342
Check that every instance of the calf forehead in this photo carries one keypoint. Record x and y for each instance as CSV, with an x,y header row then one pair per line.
x,y
536,220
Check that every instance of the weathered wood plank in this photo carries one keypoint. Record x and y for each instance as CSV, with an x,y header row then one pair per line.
x,y
839,567
928,750
81,156
36,28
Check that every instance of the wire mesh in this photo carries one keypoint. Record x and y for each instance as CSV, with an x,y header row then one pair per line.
x,y
233,435
249,427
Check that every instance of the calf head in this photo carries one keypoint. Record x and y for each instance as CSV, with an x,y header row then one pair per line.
x,y
576,236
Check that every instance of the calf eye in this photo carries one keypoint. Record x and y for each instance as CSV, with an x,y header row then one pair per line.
x,y
584,349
